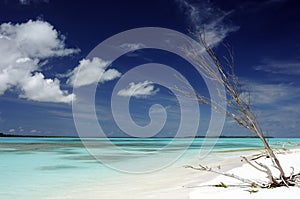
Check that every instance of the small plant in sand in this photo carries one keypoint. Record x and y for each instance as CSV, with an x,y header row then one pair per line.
x,y
239,109
221,185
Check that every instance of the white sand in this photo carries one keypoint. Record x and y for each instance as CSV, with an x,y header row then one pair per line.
x,y
177,182
238,190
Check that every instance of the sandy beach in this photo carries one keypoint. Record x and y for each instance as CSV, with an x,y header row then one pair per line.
x,y
179,182
175,181
236,189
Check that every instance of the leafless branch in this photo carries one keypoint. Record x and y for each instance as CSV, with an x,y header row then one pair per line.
x,y
239,104
231,175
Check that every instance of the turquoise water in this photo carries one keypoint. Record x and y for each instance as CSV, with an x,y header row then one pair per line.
x,y
41,167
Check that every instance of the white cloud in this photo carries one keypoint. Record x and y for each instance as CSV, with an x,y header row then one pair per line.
x,y
20,129
277,107
34,131
203,14
23,47
280,67
138,90
44,90
36,39
89,71
132,46
267,93
11,130
26,2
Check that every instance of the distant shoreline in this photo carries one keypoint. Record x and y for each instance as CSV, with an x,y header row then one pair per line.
x,y
41,136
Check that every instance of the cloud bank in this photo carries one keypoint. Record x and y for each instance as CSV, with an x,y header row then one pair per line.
x,y
284,67
23,47
277,106
271,93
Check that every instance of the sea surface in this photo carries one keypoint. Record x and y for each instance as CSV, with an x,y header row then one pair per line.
x,y
41,167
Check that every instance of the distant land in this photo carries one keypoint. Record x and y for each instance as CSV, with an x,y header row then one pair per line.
x,y
46,136
35,136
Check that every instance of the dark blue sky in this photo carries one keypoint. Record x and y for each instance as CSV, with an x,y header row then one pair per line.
x,y
265,37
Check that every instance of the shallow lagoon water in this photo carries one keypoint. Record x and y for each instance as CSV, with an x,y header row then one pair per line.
x,y
41,167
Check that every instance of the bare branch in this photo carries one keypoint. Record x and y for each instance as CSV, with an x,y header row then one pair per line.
x,y
231,175
239,103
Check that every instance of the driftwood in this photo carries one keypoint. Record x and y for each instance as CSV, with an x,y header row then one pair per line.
x,y
293,180
231,175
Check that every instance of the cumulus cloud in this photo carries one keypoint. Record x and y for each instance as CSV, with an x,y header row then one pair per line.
x,y
209,17
37,39
23,48
89,71
48,90
138,90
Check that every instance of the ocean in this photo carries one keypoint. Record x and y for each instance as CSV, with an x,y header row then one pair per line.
x,y
44,167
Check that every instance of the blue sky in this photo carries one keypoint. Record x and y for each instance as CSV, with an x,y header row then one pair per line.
x,y
44,43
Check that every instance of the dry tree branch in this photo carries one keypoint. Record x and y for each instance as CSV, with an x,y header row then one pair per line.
x,y
266,170
231,175
238,109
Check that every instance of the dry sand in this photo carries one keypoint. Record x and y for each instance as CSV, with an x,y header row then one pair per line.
x,y
237,189
177,182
